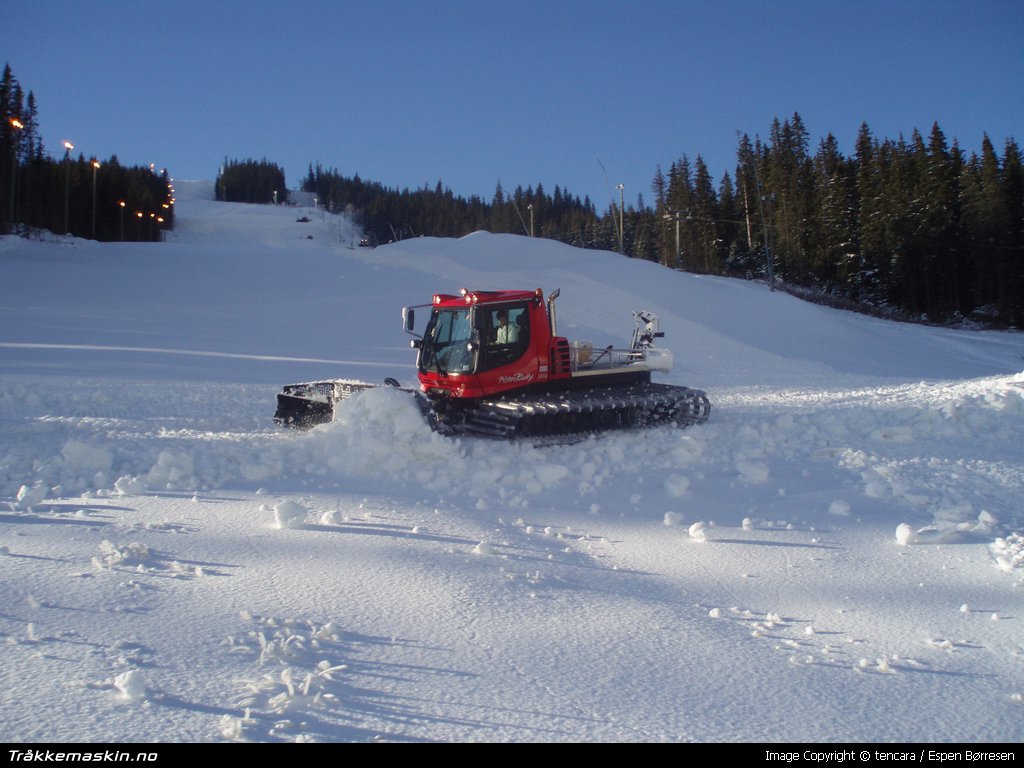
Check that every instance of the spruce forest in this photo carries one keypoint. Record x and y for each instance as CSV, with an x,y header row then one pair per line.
x,y
913,228
85,197
249,181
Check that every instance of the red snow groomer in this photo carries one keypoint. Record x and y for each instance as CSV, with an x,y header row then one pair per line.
x,y
492,363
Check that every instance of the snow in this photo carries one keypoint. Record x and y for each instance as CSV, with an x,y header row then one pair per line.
x,y
836,555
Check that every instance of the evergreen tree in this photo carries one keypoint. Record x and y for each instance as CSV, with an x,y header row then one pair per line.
x,y
834,256
704,214
985,221
872,280
745,254
10,140
1012,253
680,201
729,221
659,188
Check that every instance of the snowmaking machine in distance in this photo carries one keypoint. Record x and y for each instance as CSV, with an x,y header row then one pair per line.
x,y
492,363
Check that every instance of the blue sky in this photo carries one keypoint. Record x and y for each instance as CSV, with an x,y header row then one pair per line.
x,y
584,94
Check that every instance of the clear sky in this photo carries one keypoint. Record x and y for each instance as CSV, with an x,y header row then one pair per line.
x,y
585,94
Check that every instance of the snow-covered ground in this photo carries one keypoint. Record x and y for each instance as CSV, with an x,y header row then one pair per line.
x,y
835,555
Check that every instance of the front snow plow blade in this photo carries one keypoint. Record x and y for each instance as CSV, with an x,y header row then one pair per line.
x,y
312,403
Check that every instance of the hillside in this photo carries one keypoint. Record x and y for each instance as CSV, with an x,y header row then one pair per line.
x,y
834,556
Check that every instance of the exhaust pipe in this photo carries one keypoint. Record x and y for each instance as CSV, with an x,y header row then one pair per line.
x,y
551,311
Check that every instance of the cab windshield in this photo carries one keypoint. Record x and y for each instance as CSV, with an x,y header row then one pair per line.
x,y
446,342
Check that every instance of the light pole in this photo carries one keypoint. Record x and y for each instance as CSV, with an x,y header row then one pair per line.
x,y
530,207
16,125
621,188
121,203
676,216
68,146
95,168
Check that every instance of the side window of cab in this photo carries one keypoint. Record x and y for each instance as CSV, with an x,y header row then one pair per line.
x,y
506,332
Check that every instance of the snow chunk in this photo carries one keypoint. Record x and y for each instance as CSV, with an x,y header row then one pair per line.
x,y
986,518
81,458
131,685
904,535
688,451
875,489
1009,552
752,471
29,497
127,485
673,518
676,485
839,508
173,471
550,474
237,728
128,554
332,517
289,514
698,531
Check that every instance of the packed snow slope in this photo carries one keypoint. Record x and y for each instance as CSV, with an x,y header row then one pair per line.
x,y
835,556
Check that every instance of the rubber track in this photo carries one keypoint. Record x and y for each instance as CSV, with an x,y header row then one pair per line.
x,y
577,411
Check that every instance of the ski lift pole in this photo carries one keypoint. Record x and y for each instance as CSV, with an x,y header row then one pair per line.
x,y
768,244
